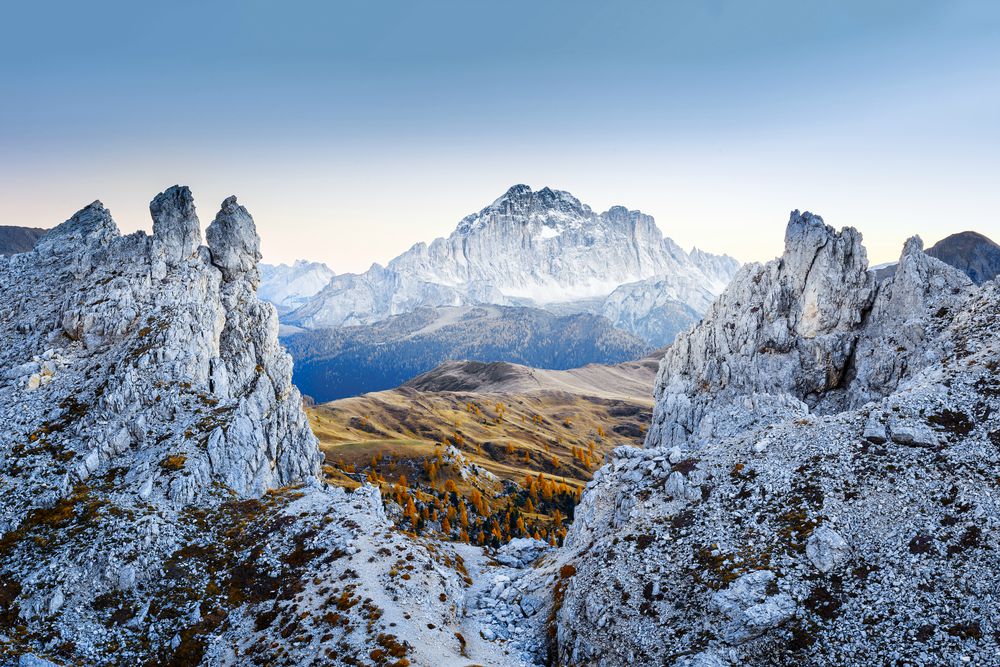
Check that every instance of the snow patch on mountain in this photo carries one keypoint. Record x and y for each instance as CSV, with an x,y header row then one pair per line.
x,y
289,287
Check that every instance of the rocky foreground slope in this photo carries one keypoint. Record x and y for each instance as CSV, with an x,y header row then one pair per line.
x,y
820,483
158,493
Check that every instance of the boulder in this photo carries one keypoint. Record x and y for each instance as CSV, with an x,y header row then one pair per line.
x,y
752,605
825,549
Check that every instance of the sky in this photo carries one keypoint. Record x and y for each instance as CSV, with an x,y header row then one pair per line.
x,y
352,130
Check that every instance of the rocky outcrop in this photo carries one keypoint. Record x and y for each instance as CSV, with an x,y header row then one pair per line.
x,y
159,499
809,331
901,333
234,242
176,230
155,326
820,482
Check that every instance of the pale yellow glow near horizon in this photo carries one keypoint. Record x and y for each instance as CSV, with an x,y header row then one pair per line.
x,y
352,213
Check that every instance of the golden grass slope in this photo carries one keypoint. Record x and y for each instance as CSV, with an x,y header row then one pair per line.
x,y
523,434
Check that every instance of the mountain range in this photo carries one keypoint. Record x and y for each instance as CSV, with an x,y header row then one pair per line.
x,y
18,239
526,251
596,288
289,287
818,484
541,249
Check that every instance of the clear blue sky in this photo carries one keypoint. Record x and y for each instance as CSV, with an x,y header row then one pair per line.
x,y
353,129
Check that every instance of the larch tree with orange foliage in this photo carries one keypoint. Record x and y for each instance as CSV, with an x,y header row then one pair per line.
x,y
411,511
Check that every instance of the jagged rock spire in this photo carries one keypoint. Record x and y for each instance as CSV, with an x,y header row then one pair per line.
x,y
175,224
784,336
827,273
91,225
150,313
232,238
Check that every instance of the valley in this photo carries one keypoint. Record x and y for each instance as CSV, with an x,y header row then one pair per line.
x,y
347,361
500,450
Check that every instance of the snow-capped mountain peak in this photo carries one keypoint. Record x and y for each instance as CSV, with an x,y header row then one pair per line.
x,y
528,247
546,207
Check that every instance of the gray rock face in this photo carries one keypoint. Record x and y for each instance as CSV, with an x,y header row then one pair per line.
x,y
232,238
703,659
875,430
914,434
899,335
823,447
810,331
34,661
158,477
175,224
522,552
149,314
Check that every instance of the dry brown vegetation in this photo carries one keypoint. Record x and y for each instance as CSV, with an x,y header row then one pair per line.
x,y
542,447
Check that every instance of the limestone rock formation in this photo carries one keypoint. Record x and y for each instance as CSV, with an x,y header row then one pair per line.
x,y
150,328
159,499
820,483
809,331
175,224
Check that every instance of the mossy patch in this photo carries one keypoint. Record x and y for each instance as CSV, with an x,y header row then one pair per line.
x,y
174,462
